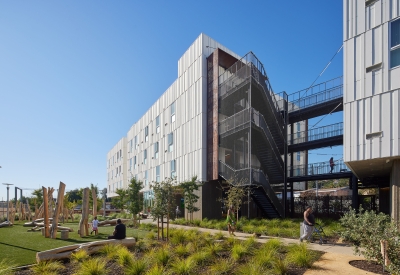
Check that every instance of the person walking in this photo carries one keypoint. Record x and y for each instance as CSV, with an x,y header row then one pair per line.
x,y
230,220
308,224
119,232
332,164
95,224
177,212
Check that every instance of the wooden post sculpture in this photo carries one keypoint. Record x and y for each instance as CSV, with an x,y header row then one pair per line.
x,y
94,197
83,223
46,212
58,209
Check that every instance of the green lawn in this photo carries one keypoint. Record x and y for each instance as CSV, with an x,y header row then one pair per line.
x,y
21,245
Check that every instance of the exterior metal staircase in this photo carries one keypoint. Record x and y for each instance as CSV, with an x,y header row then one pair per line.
x,y
261,191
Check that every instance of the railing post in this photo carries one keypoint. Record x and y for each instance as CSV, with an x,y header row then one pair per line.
x,y
285,153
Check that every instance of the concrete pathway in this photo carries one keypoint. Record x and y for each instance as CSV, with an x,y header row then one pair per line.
x,y
335,260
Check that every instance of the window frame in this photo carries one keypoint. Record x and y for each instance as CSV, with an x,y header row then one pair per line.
x,y
146,133
171,142
395,47
156,149
158,124
173,168
173,111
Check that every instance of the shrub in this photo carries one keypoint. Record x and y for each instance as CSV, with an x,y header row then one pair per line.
x,y
47,267
79,256
183,267
300,256
156,270
238,251
178,236
124,256
366,229
222,266
219,236
136,267
162,256
280,266
6,267
251,267
110,251
201,257
93,266
265,257
273,244
181,250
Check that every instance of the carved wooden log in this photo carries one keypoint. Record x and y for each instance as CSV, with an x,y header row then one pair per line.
x,y
58,208
83,223
46,212
112,222
94,197
91,247
4,224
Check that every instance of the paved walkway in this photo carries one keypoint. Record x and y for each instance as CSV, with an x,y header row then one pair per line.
x,y
334,261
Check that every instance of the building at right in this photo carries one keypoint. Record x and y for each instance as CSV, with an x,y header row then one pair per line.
x,y
371,34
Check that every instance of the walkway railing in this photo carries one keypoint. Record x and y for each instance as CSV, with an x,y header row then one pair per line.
x,y
314,95
316,133
317,169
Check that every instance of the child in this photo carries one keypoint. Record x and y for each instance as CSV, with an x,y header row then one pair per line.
x,y
95,223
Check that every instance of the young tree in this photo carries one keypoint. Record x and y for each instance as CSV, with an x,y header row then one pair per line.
x,y
120,200
236,194
38,196
134,199
188,188
163,201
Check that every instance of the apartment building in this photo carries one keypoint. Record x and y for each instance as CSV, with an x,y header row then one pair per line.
x,y
219,119
371,34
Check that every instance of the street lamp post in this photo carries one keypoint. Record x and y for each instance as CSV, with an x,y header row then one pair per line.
x,y
8,188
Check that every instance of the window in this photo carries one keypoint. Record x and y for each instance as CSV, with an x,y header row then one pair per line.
x,y
173,112
298,156
158,173
112,174
157,124
145,156
134,162
117,155
170,142
136,142
156,150
298,129
145,178
146,133
131,145
395,43
173,172
130,164
120,153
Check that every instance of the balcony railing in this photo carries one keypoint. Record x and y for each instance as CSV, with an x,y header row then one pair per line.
x,y
316,133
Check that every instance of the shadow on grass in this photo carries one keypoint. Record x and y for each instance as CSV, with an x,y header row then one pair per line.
x,y
17,246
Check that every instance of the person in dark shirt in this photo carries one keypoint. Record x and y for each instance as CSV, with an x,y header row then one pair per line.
x,y
119,232
308,224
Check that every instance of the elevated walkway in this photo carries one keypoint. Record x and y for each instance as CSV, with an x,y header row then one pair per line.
x,y
318,171
330,135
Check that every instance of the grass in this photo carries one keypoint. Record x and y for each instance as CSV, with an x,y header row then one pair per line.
x,y
93,266
22,246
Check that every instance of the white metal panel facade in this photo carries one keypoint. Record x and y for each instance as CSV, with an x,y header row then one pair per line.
x,y
188,127
116,168
371,87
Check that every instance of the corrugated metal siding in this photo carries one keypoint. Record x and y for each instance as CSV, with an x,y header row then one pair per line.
x,y
371,98
189,129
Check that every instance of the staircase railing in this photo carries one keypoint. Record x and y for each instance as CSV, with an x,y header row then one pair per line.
x,y
260,177
234,122
248,177
316,133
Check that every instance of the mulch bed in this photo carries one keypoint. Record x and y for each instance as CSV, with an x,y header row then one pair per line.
x,y
368,266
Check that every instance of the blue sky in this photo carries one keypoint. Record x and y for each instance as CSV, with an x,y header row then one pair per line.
x,y
75,75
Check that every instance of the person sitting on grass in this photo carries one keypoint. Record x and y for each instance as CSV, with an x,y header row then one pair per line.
x,y
119,232
230,220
